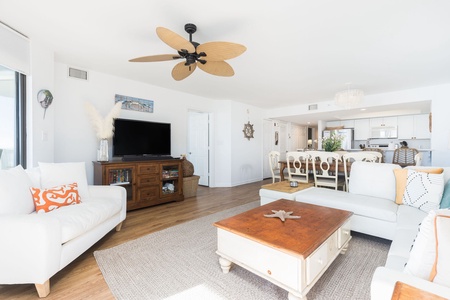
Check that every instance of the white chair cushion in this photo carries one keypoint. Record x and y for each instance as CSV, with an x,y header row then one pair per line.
x,y
55,174
15,196
373,179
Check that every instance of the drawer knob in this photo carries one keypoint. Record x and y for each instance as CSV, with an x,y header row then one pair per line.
x,y
269,272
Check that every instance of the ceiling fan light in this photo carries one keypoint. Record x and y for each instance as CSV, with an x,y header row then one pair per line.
x,y
349,98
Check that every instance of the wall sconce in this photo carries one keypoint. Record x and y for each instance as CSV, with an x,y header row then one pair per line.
x,y
45,98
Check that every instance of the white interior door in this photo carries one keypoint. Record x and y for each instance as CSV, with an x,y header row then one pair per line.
x,y
268,141
198,145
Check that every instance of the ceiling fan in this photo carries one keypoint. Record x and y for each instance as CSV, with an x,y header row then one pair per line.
x,y
209,57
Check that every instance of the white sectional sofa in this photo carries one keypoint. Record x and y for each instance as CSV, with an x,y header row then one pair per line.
x,y
371,196
35,246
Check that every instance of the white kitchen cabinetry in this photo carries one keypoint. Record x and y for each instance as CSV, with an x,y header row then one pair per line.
x,y
413,127
345,123
348,123
332,124
383,122
362,130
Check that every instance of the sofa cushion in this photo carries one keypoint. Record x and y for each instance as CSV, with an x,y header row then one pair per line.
x,y
373,179
372,207
423,252
78,219
54,174
409,217
422,190
15,196
50,199
408,220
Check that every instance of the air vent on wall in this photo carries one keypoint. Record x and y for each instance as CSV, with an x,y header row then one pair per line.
x,y
312,107
80,74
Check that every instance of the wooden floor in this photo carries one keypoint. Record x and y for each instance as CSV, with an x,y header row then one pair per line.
x,y
82,278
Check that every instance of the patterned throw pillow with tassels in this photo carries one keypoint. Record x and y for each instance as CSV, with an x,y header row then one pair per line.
x,y
423,190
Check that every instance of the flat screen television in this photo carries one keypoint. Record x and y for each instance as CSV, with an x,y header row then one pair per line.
x,y
136,138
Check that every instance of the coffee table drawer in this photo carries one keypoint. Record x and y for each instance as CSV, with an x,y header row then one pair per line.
x,y
265,261
344,234
316,262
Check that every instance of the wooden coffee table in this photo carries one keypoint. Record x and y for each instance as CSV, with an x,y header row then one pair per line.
x,y
291,254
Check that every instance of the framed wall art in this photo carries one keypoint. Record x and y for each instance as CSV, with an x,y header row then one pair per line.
x,y
133,103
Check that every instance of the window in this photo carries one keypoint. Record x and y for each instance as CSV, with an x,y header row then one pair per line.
x,y
12,119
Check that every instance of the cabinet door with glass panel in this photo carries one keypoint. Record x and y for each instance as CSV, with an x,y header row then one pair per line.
x,y
122,176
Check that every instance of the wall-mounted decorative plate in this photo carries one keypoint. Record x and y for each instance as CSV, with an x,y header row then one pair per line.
x,y
248,131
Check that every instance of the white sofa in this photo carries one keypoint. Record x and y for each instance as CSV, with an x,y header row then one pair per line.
x,y
371,197
35,246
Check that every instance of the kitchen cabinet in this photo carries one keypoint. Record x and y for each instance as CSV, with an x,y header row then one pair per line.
x,y
414,127
383,122
362,130
345,123
332,124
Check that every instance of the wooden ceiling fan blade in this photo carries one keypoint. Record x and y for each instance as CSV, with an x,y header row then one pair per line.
x,y
152,58
174,40
219,68
181,71
219,51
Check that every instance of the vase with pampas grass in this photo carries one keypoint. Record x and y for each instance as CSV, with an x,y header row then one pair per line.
x,y
104,127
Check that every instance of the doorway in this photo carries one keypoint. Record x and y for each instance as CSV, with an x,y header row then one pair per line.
x,y
198,145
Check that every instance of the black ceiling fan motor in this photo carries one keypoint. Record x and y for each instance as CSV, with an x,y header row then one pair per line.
x,y
191,57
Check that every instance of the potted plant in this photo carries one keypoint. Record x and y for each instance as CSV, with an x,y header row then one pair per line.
x,y
332,143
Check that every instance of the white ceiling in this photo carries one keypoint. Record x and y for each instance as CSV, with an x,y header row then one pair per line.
x,y
298,51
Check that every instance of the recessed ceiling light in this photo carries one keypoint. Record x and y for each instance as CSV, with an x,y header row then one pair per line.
x,y
363,109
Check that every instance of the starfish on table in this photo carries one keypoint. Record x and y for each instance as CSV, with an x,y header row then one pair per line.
x,y
282,215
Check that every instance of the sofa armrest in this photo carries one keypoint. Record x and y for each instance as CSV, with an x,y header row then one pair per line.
x,y
110,191
30,250
384,279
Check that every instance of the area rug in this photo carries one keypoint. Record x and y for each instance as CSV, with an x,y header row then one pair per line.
x,y
180,263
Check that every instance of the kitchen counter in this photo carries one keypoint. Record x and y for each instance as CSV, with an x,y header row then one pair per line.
x,y
387,149
389,154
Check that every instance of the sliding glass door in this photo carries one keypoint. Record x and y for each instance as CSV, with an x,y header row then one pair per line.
x,y
12,119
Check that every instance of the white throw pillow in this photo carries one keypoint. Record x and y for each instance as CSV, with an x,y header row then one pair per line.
x,y
15,196
423,190
55,174
423,252
442,262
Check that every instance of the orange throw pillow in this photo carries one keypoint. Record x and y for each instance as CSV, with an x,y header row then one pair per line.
x,y
50,199
430,171
400,184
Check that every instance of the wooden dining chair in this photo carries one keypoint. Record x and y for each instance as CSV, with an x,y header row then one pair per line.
x,y
418,159
349,158
376,150
404,156
325,169
274,157
298,166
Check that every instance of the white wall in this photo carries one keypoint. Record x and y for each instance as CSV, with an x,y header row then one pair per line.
x,y
40,131
75,139
246,155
